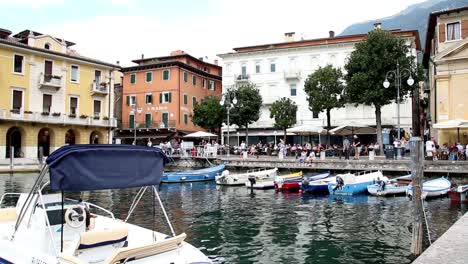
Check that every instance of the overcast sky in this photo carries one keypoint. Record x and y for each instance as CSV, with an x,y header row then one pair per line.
x,y
122,30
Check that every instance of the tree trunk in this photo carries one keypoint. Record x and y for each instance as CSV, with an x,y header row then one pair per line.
x,y
328,125
284,136
378,122
247,134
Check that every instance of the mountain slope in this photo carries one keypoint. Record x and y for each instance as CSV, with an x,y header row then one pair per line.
x,y
413,17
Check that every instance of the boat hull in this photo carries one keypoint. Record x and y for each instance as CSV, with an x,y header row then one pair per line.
x,y
207,174
376,190
433,188
241,179
355,183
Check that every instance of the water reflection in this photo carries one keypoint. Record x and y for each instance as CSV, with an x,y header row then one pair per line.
x,y
232,226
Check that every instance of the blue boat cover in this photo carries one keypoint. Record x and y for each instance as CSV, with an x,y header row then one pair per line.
x,y
99,167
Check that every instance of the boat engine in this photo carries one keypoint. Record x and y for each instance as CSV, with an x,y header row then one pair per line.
x,y
339,183
305,182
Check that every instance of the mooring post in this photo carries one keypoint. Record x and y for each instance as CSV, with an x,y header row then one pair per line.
x,y
417,163
12,156
41,155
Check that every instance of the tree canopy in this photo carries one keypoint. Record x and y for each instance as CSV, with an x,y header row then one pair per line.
x,y
324,88
284,112
247,109
367,68
209,114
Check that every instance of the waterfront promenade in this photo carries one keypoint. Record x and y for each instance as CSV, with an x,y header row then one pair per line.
x,y
451,247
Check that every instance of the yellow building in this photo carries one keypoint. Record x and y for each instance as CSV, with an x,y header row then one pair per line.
x,y
446,58
51,96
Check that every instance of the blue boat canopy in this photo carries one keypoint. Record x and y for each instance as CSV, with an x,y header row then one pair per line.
x,y
99,167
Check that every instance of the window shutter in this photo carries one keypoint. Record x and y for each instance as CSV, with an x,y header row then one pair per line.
x,y
128,100
170,97
442,33
160,97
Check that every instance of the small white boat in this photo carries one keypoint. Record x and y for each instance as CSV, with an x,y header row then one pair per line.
x,y
47,228
432,188
226,178
269,183
395,186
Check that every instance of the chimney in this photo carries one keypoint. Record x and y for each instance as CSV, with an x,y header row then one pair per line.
x,y
4,33
200,58
289,36
31,39
177,52
216,61
378,25
331,34
142,56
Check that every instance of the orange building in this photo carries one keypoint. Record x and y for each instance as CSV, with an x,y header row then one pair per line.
x,y
159,94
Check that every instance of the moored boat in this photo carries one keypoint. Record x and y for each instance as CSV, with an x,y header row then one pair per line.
x,y
206,174
226,178
269,183
459,194
432,188
318,186
55,229
295,184
350,184
395,186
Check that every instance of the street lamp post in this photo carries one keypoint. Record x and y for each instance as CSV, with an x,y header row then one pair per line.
x,y
276,132
238,140
397,75
229,104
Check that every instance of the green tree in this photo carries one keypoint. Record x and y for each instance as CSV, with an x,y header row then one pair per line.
x,y
323,89
247,109
284,112
209,114
367,68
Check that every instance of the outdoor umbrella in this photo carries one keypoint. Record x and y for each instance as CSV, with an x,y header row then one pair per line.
x,y
200,134
452,124
307,130
352,128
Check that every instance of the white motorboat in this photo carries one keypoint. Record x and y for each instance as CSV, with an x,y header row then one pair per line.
x,y
397,186
350,184
226,178
49,228
269,183
432,188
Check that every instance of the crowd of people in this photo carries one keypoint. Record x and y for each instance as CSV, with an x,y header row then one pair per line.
x,y
455,151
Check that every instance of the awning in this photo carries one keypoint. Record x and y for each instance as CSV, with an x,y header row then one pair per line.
x,y
200,134
100,167
453,124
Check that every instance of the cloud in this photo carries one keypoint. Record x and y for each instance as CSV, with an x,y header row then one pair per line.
x,y
242,23
34,4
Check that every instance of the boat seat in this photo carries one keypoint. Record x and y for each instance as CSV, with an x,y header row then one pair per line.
x,y
99,238
8,215
147,250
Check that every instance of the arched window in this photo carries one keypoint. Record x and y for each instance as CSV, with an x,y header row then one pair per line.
x,y
47,46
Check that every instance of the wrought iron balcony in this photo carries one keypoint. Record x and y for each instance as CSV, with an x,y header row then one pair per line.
x,y
242,78
99,88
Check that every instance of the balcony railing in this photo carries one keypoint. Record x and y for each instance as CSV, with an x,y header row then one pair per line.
x,y
292,74
242,78
50,81
150,125
99,88
55,118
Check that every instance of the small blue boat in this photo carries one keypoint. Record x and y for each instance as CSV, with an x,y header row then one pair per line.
x,y
317,183
350,184
206,174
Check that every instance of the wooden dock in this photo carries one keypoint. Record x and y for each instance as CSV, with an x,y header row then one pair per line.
x,y
451,247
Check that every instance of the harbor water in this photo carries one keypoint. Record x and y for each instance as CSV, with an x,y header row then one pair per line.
x,y
231,225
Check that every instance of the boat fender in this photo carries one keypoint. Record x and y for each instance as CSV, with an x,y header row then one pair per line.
x,y
339,183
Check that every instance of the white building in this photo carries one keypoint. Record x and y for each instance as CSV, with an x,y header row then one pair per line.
x,y
281,69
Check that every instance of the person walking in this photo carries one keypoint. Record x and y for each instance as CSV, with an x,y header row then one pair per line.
x,y
430,148
357,146
346,145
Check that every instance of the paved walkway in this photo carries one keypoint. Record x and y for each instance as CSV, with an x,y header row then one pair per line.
x,y
451,247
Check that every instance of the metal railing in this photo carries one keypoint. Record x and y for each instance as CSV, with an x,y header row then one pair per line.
x,y
242,78
292,74
101,88
55,118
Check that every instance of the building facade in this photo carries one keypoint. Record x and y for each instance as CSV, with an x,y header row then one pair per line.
x,y
51,96
281,69
446,58
159,94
